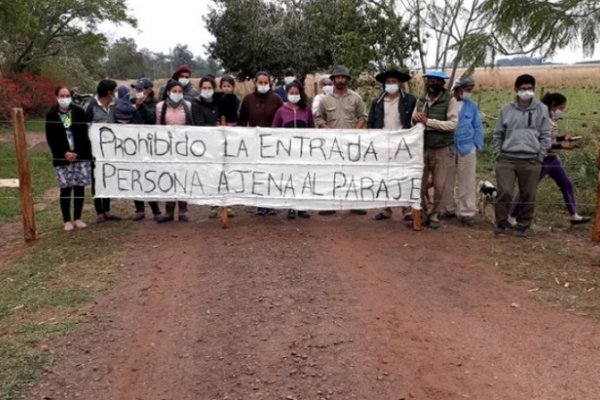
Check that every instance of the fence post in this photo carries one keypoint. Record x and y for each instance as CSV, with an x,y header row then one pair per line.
x,y
25,191
596,234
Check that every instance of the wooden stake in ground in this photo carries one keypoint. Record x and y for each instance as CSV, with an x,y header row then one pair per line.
x,y
596,235
224,218
417,224
25,191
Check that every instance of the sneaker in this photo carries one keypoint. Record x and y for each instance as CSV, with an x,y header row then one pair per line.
x,y
500,230
433,224
448,215
326,212
69,226
138,216
358,212
214,212
112,217
156,217
100,218
183,218
291,214
521,233
580,219
230,212
408,217
79,224
261,211
303,214
163,218
468,221
271,211
512,221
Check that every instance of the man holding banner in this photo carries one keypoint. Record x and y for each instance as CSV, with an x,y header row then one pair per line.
x,y
343,109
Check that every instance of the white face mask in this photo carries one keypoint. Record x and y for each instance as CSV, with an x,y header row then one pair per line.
x,y
328,89
525,94
557,114
64,102
294,98
207,93
392,88
184,81
176,97
466,95
263,88
288,79
139,95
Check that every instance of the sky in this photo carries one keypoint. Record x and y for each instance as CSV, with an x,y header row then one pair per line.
x,y
160,28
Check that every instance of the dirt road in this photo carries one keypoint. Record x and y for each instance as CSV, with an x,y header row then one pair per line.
x,y
337,307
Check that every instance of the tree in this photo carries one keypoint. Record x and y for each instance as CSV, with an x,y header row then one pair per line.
x,y
309,35
33,30
181,55
124,61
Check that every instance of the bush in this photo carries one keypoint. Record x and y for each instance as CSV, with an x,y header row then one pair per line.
x,y
33,93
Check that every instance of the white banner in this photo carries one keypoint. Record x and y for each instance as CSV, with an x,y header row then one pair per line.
x,y
307,169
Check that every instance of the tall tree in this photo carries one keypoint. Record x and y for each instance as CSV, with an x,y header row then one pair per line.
x,y
124,61
181,55
33,30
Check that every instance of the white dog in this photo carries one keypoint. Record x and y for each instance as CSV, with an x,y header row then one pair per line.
x,y
487,196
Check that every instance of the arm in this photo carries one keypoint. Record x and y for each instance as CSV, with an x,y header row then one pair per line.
x,y
89,112
498,136
277,120
320,121
448,126
361,113
311,120
545,134
371,119
477,128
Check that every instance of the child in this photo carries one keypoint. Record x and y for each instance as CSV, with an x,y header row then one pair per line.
x,y
228,103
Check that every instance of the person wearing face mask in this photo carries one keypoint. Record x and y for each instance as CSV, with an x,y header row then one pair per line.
x,y
295,113
174,111
98,112
67,137
520,143
183,75
205,112
461,198
258,109
326,86
343,109
392,110
289,76
438,111
552,166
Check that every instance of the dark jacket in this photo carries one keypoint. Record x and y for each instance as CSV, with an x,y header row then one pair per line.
x,y
228,107
406,106
146,112
205,113
56,136
259,109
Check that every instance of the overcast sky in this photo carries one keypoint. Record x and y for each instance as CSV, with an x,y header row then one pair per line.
x,y
160,28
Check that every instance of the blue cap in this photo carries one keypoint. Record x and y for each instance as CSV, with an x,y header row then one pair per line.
x,y
143,83
436,74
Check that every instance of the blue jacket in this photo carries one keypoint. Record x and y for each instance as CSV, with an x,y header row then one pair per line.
x,y
469,130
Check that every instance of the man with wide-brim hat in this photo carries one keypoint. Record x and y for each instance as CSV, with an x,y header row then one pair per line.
x,y
342,109
392,110
438,111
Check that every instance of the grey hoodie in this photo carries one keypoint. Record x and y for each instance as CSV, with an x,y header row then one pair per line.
x,y
522,133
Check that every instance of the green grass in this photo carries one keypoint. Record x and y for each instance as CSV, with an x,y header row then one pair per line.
x,y
43,176
35,124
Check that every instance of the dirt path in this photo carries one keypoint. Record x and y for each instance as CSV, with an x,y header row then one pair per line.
x,y
330,308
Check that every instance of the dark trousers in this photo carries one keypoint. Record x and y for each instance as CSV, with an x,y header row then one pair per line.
x,y
101,205
65,202
527,175
170,207
139,206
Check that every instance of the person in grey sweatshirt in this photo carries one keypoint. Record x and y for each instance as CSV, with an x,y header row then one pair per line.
x,y
520,141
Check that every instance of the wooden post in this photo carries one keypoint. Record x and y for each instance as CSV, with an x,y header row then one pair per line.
x,y
224,218
25,183
417,225
596,234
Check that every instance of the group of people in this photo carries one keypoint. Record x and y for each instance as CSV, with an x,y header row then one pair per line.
x,y
525,139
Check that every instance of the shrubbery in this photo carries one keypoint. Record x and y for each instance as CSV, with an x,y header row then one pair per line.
x,y
33,93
